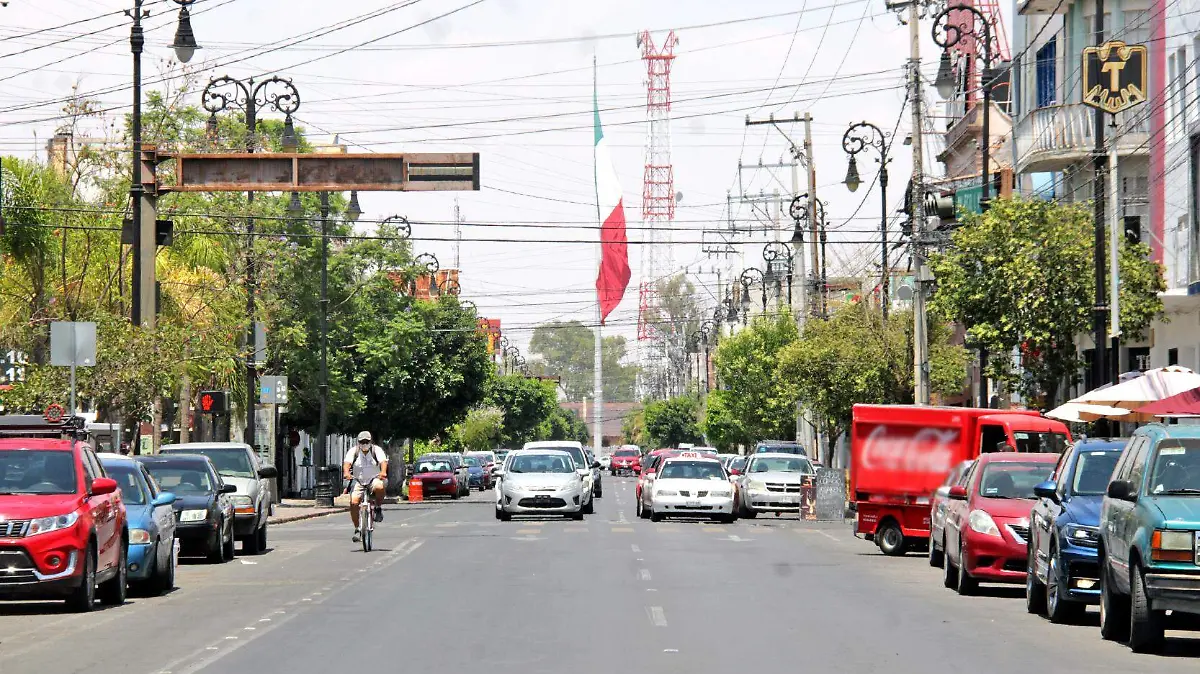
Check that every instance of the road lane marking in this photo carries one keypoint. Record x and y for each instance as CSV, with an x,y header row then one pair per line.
x,y
670,650
658,616
527,531
643,574
634,548
622,530
738,539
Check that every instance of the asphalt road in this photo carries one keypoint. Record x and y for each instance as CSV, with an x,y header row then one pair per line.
x,y
450,589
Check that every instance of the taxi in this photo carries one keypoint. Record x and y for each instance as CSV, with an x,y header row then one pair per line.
x,y
689,484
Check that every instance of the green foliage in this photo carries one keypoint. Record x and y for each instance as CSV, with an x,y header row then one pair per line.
x,y
567,350
855,357
633,428
482,428
721,427
756,404
527,404
563,424
1021,275
672,421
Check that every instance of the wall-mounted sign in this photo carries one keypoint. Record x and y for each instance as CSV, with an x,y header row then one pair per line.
x,y
1114,76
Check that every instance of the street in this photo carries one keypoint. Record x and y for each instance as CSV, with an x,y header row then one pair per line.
x,y
452,589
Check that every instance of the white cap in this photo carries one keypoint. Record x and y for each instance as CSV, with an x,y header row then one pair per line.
x,y
365,435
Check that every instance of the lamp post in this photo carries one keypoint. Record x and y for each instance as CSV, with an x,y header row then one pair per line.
x,y
777,253
403,228
145,243
799,210
947,33
748,278
708,331
221,94
859,137
323,386
449,286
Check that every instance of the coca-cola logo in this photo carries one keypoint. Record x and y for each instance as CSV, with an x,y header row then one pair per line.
x,y
929,450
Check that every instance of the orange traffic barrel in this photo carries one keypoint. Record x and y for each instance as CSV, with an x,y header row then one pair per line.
x,y
415,491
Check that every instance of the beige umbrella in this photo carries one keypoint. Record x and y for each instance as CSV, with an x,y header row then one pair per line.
x,y
1152,386
1080,412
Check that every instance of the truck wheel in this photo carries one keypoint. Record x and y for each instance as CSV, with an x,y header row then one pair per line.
x,y
1145,624
1035,592
966,584
890,539
937,557
1114,609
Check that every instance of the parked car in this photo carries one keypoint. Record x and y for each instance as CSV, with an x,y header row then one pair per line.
x,y
541,481
772,483
459,468
151,515
478,476
238,464
1150,536
582,465
597,474
204,509
937,513
438,476
712,452
63,532
605,461
626,460
691,485
987,522
487,461
779,447
1061,570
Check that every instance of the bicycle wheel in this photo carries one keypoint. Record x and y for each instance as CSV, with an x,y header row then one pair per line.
x,y
368,527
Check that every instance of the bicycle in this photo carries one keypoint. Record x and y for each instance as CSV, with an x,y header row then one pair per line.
x,y
366,515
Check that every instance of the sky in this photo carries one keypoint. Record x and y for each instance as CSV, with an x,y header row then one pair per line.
x,y
513,80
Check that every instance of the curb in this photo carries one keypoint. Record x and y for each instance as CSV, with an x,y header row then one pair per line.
x,y
284,519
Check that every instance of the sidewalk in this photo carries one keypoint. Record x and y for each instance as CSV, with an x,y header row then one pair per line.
x,y
295,509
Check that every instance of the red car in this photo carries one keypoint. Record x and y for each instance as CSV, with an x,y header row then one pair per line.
x,y
625,462
649,465
437,476
987,521
62,523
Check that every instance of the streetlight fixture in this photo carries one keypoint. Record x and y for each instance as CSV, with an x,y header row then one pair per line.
x,y
858,138
947,33
799,210
748,278
777,253
295,209
945,76
353,211
185,40
221,94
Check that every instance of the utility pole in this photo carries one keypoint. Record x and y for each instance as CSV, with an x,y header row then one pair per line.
x,y
921,393
1099,162
810,162
457,235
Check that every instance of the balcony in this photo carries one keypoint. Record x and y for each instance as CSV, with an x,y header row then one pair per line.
x,y
1027,7
1057,136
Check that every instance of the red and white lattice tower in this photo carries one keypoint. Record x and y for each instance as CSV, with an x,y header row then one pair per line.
x,y
658,187
970,51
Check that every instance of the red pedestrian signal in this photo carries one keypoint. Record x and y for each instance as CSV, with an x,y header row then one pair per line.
x,y
214,401
206,402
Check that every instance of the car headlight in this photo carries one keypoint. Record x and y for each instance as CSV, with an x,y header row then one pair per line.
x,y
448,480
983,523
756,485
1085,536
241,500
666,492
723,493
139,536
193,515
43,525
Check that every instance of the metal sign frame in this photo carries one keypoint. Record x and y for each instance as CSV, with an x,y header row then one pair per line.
x,y
292,172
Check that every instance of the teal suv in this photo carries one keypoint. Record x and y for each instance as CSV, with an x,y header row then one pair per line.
x,y
1150,536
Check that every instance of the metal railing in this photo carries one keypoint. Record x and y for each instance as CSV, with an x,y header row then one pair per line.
x,y
1057,135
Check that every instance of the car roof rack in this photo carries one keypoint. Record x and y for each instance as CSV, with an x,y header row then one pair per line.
x,y
34,426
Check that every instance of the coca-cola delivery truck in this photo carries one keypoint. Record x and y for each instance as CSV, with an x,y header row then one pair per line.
x,y
901,454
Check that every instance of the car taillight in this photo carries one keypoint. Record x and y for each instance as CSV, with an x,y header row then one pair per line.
x,y
1172,546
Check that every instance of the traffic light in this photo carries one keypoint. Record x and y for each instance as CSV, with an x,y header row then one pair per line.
x,y
212,402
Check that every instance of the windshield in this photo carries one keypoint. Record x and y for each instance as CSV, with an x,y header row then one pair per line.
x,y
692,470
1176,467
780,449
433,466
780,465
25,471
541,463
1040,443
576,454
627,452
181,480
231,461
471,462
1093,470
737,464
132,490
1009,479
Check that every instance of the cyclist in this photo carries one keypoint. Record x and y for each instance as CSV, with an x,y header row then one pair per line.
x,y
366,464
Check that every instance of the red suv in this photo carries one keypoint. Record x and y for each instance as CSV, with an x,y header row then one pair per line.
x,y
625,461
62,523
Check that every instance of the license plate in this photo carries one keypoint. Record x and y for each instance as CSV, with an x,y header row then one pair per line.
x,y
693,504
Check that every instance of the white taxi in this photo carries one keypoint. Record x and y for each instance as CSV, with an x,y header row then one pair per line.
x,y
691,484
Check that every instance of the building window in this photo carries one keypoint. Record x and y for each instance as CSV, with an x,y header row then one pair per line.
x,y
1173,96
1046,73
1172,357
1182,62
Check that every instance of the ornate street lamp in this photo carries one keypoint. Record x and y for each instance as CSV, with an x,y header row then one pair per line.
x,y
858,138
748,278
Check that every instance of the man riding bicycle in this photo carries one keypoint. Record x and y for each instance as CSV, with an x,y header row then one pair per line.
x,y
367,464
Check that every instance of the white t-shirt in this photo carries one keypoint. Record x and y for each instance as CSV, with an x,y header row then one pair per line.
x,y
365,466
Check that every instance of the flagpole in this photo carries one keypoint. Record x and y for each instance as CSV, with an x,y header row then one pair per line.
x,y
598,383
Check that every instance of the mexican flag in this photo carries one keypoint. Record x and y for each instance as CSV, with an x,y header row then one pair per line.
x,y
614,273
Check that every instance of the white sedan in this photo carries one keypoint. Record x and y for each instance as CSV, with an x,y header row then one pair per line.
x,y
690,485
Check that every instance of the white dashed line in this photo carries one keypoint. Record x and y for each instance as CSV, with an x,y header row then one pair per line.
x,y
635,548
643,574
658,616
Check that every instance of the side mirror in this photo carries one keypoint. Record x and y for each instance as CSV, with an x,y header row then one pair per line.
x,y
499,472
268,472
957,493
595,464
1047,489
103,485
166,498
228,489
1122,490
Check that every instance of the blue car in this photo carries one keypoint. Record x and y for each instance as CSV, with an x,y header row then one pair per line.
x,y
151,519
1062,567
478,477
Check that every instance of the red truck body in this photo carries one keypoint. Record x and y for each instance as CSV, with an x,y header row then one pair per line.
x,y
901,454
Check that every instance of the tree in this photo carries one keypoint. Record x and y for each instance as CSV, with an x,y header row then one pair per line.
x,y
563,424
758,404
857,357
721,427
1021,277
633,428
676,316
567,350
673,421
526,403
482,428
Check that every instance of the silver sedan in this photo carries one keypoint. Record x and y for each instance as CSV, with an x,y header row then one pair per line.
x,y
540,482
